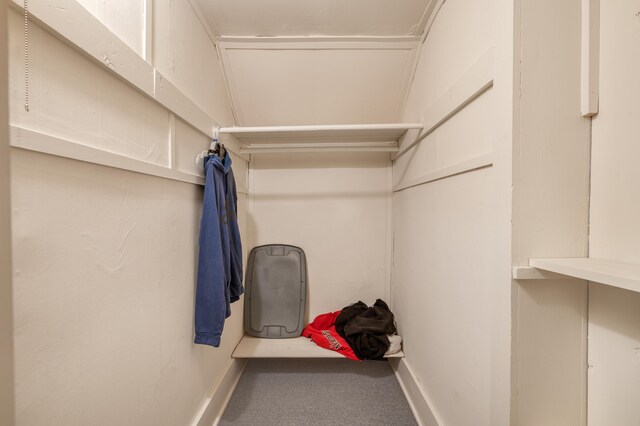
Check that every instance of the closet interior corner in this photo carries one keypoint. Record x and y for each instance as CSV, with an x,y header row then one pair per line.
x,y
218,212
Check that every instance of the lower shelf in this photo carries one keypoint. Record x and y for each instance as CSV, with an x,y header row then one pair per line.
x,y
297,347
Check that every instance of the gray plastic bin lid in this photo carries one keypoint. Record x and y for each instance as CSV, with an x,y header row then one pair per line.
x,y
275,292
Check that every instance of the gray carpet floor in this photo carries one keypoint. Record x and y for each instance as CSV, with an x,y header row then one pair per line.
x,y
317,392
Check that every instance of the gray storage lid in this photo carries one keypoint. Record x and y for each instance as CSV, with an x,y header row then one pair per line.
x,y
275,291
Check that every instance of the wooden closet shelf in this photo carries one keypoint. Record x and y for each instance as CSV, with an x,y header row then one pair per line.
x,y
297,347
615,274
339,137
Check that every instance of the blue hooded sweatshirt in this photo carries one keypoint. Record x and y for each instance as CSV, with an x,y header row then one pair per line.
x,y
219,281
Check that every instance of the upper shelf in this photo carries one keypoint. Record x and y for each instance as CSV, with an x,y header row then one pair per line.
x,y
340,137
616,274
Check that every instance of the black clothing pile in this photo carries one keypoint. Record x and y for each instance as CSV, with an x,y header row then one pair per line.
x,y
366,328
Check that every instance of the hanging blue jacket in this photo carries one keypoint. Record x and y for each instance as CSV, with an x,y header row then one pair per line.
x,y
219,281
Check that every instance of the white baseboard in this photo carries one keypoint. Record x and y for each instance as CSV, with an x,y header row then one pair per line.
x,y
420,403
214,406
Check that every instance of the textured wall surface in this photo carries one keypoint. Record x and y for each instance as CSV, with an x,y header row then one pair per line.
x,y
336,207
450,305
614,339
104,258
6,328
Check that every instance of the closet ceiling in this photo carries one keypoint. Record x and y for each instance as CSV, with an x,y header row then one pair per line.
x,y
296,62
275,18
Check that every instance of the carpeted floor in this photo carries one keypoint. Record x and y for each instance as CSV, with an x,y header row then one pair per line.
x,y
315,392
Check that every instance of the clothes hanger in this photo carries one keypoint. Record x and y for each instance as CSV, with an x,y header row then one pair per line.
x,y
216,148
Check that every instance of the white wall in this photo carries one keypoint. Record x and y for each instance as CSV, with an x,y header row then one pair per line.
x,y
184,53
75,99
6,308
126,19
336,207
614,337
105,266
615,204
450,288
444,309
550,215
105,258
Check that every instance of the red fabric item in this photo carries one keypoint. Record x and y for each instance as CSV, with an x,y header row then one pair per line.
x,y
323,332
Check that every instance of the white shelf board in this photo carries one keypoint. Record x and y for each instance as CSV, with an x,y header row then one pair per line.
x,y
339,133
531,273
616,274
286,149
296,347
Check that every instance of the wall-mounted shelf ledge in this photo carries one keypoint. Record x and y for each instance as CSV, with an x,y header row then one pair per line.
x,y
297,347
31,140
615,274
531,273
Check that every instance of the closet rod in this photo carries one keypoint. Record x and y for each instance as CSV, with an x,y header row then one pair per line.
x,y
284,149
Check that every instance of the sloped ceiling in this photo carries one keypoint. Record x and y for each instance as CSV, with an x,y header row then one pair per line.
x,y
275,18
318,86
341,61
